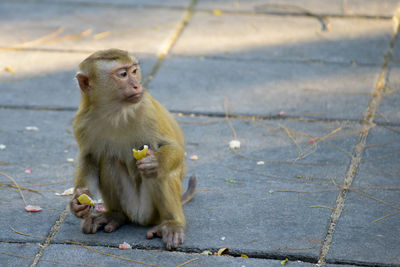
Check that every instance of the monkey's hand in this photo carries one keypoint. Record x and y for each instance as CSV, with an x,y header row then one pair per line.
x,y
172,234
80,210
148,166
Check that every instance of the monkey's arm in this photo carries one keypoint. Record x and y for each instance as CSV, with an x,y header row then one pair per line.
x,y
86,182
167,160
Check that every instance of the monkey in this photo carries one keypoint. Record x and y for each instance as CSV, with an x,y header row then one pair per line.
x,y
115,115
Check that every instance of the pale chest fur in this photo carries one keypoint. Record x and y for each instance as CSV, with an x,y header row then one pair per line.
x,y
112,149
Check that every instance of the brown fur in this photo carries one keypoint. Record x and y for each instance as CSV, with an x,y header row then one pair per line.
x,y
146,192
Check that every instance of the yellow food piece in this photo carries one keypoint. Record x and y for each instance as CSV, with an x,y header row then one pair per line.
x,y
85,199
139,154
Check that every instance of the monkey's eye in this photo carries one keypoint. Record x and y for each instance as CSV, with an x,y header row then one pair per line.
x,y
122,73
134,70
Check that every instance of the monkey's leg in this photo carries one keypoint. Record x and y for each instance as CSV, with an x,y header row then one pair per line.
x,y
167,198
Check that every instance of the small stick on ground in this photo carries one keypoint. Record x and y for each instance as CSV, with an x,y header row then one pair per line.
x,y
21,187
323,207
189,261
227,119
16,185
384,217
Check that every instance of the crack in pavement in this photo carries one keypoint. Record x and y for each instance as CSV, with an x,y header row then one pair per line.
x,y
368,122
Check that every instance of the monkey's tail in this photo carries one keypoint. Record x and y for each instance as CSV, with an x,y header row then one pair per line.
x,y
189,194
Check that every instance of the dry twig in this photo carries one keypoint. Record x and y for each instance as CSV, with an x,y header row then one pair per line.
x,y
227,119
16,185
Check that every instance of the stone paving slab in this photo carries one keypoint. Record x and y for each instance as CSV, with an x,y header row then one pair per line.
x,y
384,8
148,32
246,36
379,178
46,151
64,254
388,110
263,88
55,85
17,254
239,200
129,3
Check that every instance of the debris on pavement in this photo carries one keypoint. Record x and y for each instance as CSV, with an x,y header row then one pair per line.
x,y
31,208
67,192
234,144
32,128
124,246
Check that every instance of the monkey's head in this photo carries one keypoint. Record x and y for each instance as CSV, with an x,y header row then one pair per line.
x,y
111,76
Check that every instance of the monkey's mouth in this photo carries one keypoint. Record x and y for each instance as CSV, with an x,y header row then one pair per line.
x,y
135,98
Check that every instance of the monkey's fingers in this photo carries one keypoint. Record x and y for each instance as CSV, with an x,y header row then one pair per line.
x,y
150,158
78,207
84,212
149,172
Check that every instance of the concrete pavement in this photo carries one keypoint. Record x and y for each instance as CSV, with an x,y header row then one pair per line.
x,y
312,92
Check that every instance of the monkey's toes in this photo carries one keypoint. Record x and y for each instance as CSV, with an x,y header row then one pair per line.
x,y
155,231
111,226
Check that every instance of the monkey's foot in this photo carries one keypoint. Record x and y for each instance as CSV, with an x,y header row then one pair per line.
x,y
94,222
172,234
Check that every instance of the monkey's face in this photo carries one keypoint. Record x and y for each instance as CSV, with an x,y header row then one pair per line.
x,y
127,78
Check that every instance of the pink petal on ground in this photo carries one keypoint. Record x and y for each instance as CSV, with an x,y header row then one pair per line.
x,y
31,208
124,246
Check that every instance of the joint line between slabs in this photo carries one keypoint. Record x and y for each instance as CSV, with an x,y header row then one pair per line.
x,y
368,124
50,236
172,40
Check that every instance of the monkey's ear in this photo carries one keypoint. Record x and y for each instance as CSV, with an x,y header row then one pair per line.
x,y
83,80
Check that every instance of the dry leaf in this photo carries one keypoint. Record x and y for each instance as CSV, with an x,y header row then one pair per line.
x,y
217,12
244,256
31,208
206,253
70,160
67,192
9,69
101,35
221,250
284,262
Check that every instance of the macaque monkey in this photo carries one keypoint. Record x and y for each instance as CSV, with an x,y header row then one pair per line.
x,y
116,115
